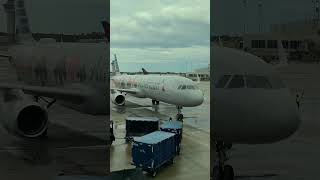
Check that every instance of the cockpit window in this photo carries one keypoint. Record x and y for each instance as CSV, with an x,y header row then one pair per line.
x,y
190,87
183,87
253,81
223,81
179,87
237,81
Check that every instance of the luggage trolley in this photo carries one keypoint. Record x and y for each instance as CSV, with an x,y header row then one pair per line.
x,y
139,126
153,150
176,128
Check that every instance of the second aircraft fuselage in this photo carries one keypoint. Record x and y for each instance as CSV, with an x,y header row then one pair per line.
x,y
175,90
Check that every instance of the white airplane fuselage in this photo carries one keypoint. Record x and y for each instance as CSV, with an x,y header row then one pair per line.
x,y
161,88
251,105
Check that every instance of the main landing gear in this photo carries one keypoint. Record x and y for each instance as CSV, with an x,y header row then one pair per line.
x,y
220,170
155,102
179,116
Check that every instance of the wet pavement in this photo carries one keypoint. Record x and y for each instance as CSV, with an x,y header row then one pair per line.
x,y
296,157
194,159
76,145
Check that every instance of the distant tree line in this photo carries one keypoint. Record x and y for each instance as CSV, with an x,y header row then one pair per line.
x,y
69,37
65,37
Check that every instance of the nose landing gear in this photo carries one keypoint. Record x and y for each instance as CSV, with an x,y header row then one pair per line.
x,y
155,102
179,116
220,170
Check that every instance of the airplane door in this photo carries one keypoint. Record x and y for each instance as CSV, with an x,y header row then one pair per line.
x,y
162,89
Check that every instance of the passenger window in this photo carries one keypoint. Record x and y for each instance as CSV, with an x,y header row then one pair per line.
x,y
257,82
183,87
236,82
223,81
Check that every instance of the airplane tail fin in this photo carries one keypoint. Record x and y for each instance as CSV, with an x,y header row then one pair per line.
x,y
145,72
198,78
106,27
115,66
22,22
283,57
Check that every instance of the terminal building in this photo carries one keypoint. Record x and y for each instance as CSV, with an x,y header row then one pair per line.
x,y
203,73
295,38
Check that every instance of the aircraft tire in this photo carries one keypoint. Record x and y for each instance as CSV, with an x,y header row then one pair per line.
x,y
228,173
179,117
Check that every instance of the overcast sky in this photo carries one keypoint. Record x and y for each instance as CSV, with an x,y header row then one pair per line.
x,y
63,16
160,35
229,16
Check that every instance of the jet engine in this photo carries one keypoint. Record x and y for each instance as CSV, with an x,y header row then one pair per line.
x,y
25,118
118,98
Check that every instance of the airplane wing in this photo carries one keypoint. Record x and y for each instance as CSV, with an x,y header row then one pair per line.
x,y
130,91
5,55
74,95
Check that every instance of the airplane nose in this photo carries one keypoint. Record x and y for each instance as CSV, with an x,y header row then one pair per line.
x,y
199,98
286,119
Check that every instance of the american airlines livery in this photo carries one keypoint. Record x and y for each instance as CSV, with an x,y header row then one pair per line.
x,y
176,90
73,74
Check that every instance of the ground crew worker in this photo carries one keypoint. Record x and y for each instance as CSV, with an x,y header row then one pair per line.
x,y
298,101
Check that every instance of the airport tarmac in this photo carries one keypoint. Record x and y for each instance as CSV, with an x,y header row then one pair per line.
x,y
76,145
296,157
194,159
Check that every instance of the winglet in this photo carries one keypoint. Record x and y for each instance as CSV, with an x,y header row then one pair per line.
x,y
283,57
145,72
23,27
198,78
106,28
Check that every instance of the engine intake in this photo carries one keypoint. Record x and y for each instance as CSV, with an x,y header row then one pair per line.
x,y
118,98
26,119
32,120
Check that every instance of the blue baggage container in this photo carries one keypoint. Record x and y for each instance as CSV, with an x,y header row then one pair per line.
x,y
176,128
153,150
139,126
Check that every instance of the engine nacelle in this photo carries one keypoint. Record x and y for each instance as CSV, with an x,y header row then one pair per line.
x,y
24,118
118,98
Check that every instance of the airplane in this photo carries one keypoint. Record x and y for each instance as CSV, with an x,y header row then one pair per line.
x,y
176,90
72,74
251,104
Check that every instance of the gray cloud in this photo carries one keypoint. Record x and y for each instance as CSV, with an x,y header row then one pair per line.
x,y
160,23
160,35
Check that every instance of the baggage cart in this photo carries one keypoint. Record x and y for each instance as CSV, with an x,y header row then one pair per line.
x,y
153,150
139,126
176,128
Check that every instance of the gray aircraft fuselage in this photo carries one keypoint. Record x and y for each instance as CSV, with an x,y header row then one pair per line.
x,y
78,66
